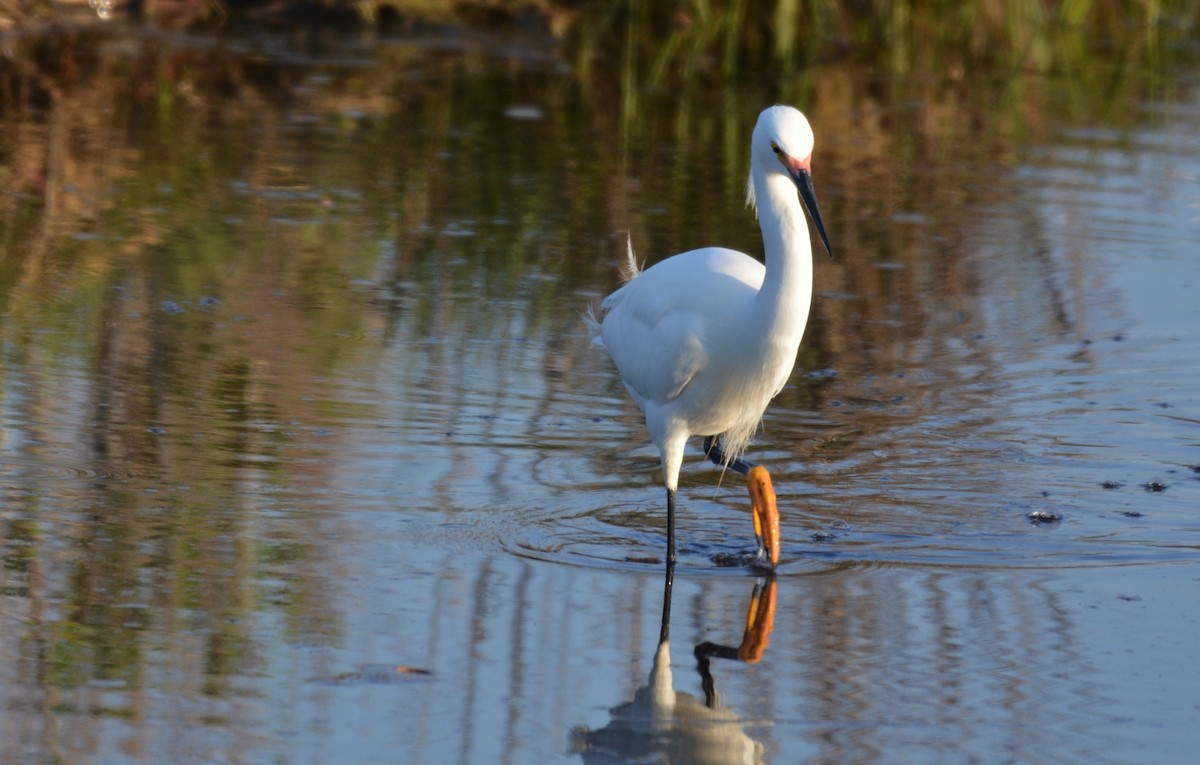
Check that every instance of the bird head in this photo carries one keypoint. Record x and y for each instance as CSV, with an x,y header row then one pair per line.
x,y
782,144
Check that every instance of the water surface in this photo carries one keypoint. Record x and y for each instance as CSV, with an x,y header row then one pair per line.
x,y
305,456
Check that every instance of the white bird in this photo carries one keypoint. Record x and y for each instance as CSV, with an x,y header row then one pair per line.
x,y
705,339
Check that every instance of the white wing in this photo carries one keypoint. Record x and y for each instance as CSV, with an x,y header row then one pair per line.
x,y
657,327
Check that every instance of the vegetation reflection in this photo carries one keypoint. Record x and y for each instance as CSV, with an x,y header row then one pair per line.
x,y
206,240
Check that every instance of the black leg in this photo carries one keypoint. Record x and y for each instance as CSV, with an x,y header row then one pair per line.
x,y
715,453
664,632
665,629
670,528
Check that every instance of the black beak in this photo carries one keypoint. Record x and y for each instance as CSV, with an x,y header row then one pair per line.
x,y
803,179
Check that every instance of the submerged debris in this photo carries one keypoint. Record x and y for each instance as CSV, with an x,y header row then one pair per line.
x,y
1154,486
375,674
1038,517
750,560
1111,484
727,560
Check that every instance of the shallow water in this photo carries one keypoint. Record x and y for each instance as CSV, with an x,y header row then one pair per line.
x,y
305,455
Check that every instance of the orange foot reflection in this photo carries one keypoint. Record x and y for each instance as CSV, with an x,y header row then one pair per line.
x,y
760,620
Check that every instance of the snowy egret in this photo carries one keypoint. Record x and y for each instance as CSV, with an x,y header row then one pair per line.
x,y
705,339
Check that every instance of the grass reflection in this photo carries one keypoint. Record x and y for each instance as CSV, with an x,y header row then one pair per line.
x,y
208,242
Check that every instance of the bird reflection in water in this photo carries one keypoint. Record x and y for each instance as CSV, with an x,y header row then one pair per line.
x,y
669,726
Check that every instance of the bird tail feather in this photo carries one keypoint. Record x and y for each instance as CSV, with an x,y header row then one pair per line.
x,y
629,268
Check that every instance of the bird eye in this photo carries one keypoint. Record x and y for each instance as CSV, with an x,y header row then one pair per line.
x,y
775,148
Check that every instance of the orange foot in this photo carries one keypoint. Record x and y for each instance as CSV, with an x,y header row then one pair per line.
x,y
766,514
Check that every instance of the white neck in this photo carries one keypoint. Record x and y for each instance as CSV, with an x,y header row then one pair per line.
x,y
783,301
